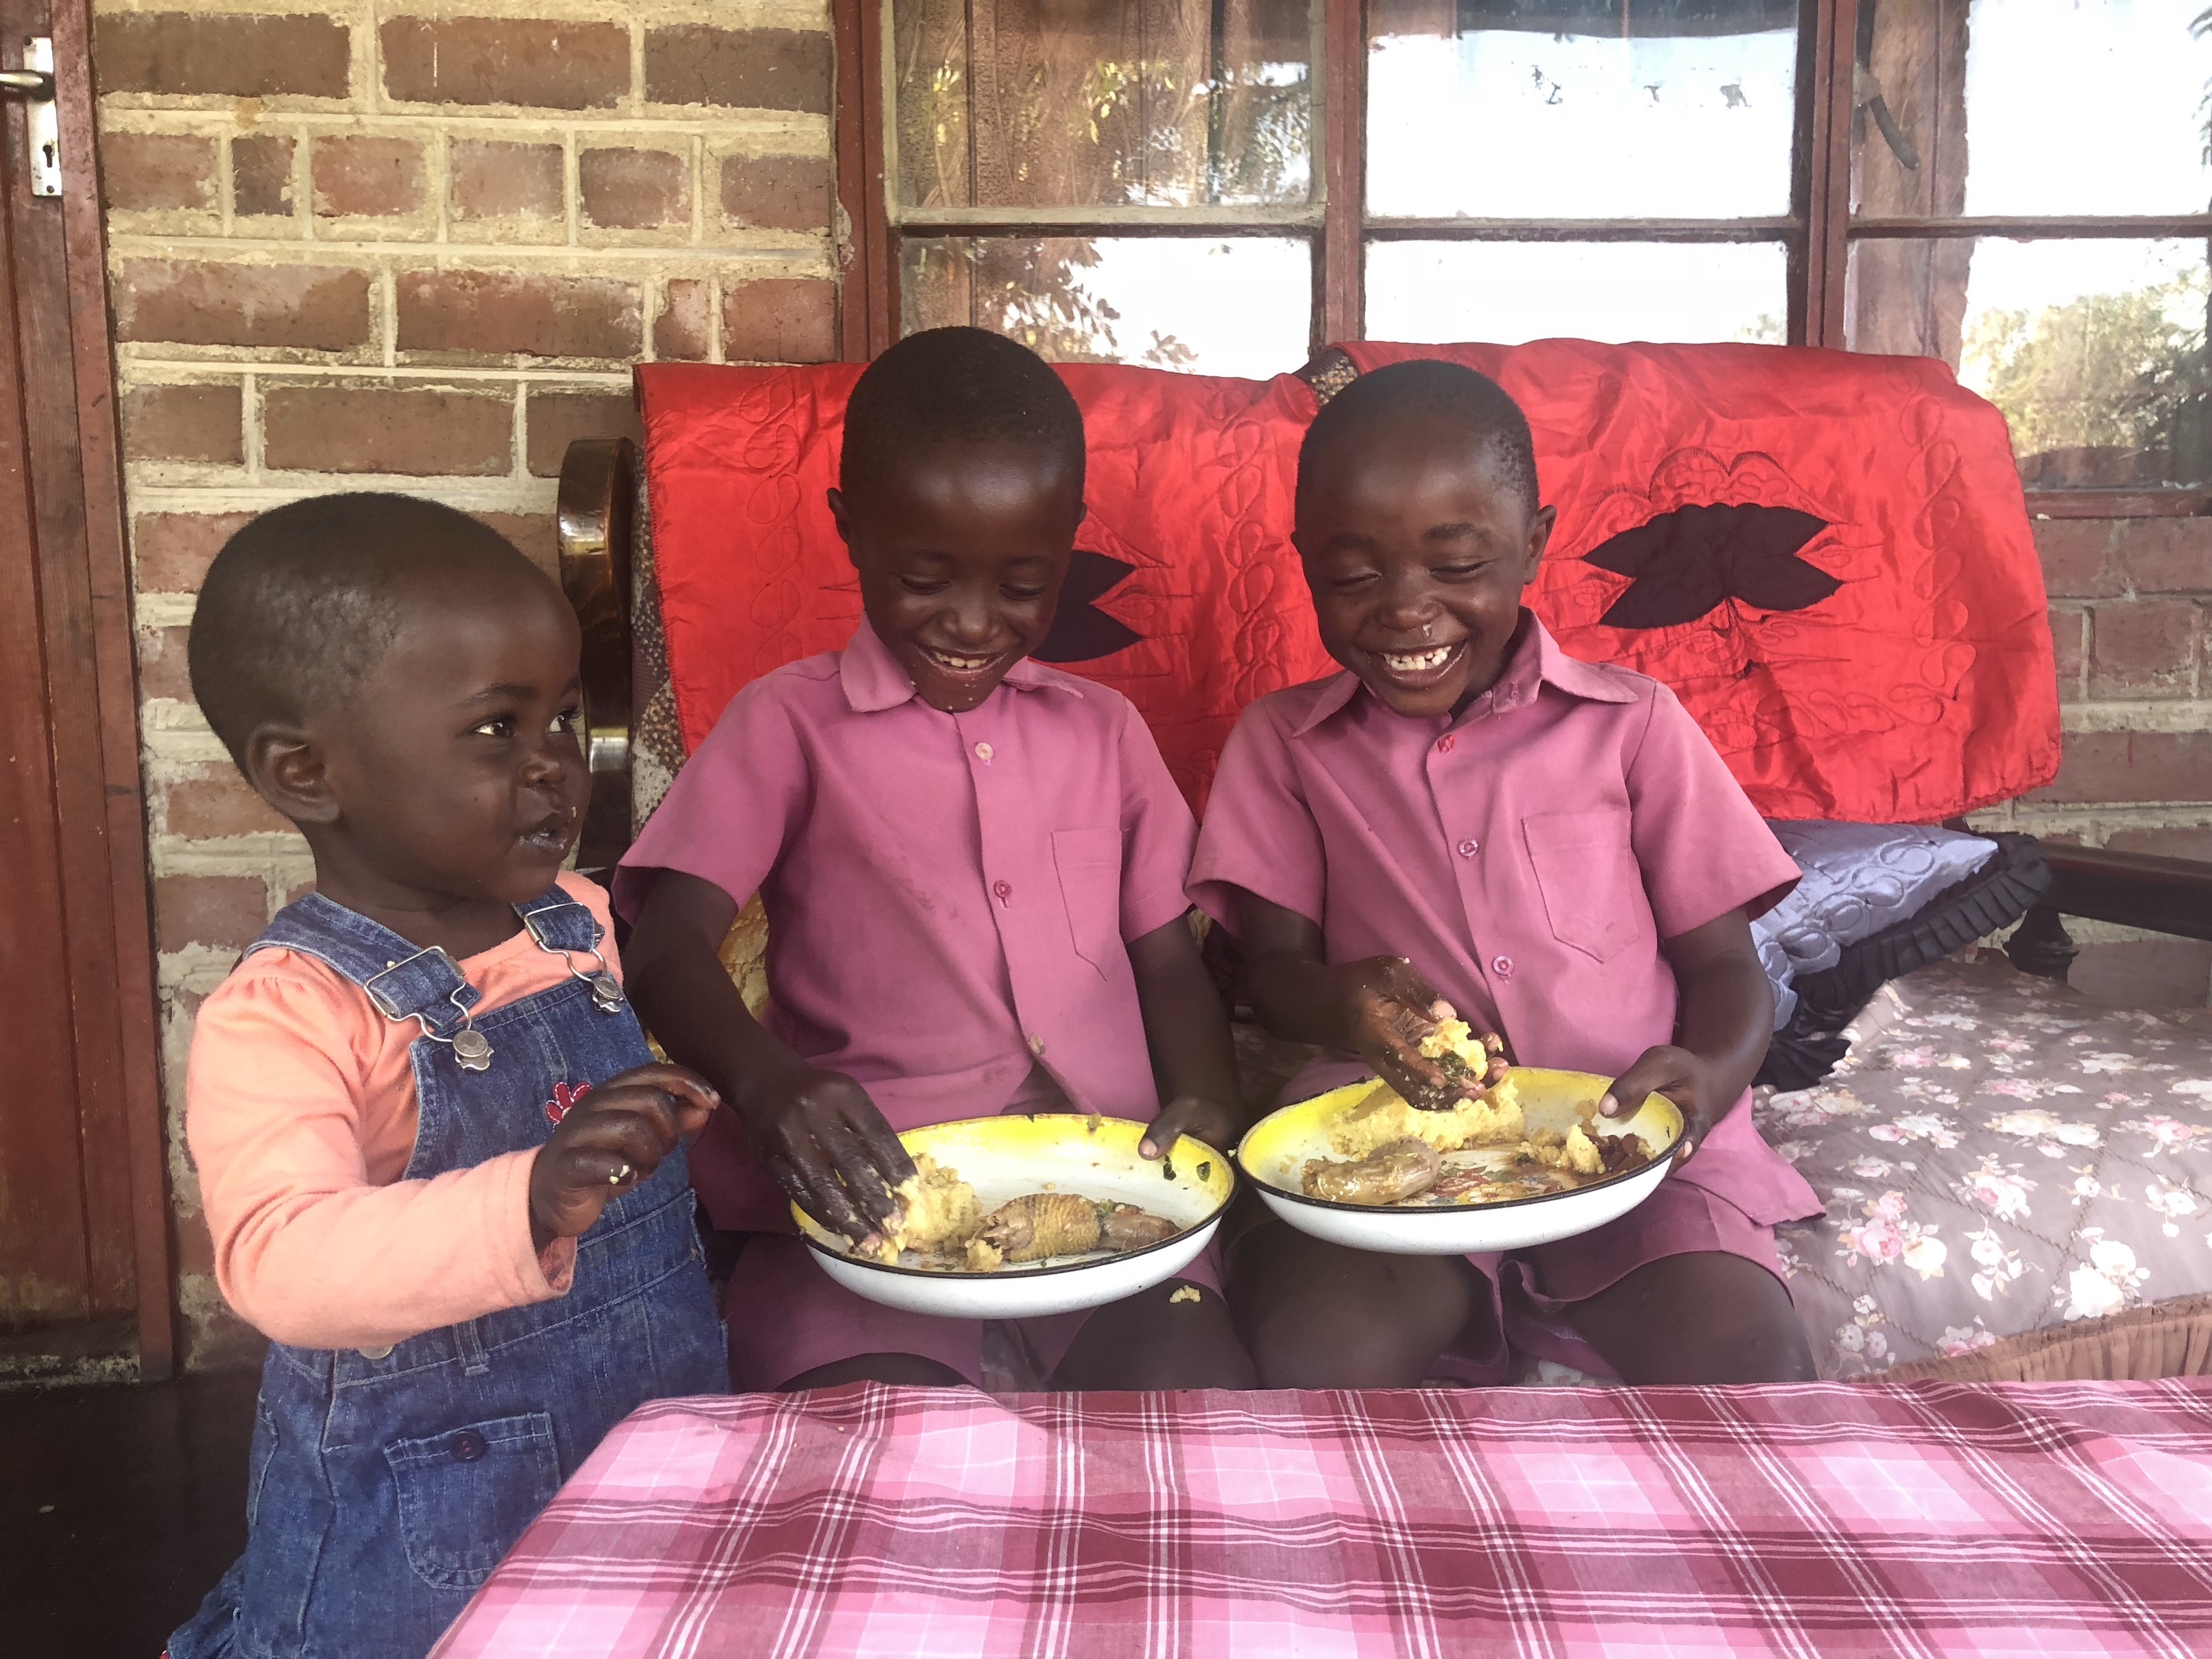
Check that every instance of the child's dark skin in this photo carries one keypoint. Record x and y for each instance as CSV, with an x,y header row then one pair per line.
x,y
1412,542
449,788
961,551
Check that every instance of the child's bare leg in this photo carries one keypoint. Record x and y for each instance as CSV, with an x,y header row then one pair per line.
x,y
1150,1340
1707,1316
909,1369
1318,1315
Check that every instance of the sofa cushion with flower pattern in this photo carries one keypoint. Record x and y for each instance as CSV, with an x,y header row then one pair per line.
x,y
2018,1182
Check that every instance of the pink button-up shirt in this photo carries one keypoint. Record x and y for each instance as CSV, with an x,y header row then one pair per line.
x,y
948,895
1529,856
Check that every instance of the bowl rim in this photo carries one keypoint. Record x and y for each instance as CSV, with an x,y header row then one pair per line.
x,y
1659,1160
961,1275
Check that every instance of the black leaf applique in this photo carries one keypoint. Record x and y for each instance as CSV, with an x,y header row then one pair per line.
x,y
1685,563
1081,631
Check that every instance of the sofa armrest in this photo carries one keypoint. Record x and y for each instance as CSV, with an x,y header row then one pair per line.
x,y
2135,889
598,508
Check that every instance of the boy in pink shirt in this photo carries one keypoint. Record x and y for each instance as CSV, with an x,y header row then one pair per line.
x,y
973,867
1552,846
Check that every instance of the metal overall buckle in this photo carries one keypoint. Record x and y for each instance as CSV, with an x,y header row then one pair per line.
x,y
606,989
471,1048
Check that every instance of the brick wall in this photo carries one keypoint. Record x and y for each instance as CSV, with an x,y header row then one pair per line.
x,y
2131,617
413,246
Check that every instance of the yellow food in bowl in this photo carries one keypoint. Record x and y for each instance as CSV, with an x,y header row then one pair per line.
x,y
1381,1117
937,1210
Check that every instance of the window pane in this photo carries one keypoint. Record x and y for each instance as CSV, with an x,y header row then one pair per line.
x,y
1509,292
1210,306
2095,350
1090,103
2016,107
1580,109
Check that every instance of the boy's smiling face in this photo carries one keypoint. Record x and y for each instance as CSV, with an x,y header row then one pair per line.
x,y
961,550
1416,550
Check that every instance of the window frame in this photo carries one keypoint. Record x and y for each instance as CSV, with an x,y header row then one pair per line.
x,y
1817,233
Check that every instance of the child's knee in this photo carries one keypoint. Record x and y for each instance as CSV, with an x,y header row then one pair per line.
x,y
1351,1319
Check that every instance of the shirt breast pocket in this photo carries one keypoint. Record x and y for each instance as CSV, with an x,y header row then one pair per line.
x,y
1090,865
1587,871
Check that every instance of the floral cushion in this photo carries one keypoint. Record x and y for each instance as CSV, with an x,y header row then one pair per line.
x,y
1999,1155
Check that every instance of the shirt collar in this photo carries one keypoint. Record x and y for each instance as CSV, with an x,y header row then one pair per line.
x,y
1534,662
874,681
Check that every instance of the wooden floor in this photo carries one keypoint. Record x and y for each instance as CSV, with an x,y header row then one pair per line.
x,y
120,1507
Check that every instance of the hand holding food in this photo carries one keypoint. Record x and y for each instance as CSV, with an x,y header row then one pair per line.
x,y
1683,1077
615,1136
1209,1120
827,1146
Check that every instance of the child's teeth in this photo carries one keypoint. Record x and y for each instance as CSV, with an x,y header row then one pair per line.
x,y
1412,662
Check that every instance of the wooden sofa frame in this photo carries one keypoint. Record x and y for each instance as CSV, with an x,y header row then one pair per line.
x,y
598,527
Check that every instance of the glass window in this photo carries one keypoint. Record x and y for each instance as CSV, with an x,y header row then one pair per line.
x,y
1580,109
1102,103
2008,108
1212,306
2094,348
1509,292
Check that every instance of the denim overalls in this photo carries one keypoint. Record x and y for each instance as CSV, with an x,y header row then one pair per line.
x,y
386,1484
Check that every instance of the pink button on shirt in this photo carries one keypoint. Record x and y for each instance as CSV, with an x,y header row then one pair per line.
x,y
948,895
1529,857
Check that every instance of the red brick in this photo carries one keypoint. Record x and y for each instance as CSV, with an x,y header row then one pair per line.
x,y
233,55
540,62
214,808
143,171
2192,841
780,320
2076,557
217,910
536,534
366,178
171,551
557,418
2066,644
743,68
2133,766
503,314
680,331
319,307
2165,556
162,671
422,431
625,189
777,192
505,181
2142,648
261,176
2147,973
184,423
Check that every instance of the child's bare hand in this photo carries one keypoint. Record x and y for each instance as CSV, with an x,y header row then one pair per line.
x,y
1389,1008
824,1140
612,1139
1219,1126
1683,1078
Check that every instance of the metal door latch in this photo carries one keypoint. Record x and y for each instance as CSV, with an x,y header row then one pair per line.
x,y
34,84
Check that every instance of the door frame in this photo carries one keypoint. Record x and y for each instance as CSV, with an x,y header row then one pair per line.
x,y
85,615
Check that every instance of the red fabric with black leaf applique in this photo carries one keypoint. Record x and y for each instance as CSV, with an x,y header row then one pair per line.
x,y
1186,595
1826,556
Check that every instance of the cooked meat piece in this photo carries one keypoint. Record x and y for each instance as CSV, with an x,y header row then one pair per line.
x,y
1126,1227
1389,1175
1038,1225
1621,1153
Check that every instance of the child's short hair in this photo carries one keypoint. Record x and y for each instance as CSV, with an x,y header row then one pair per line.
x,y
960,384
302,603
1443,392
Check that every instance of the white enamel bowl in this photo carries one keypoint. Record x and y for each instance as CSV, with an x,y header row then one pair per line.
x,y
1274,1155
1003,1158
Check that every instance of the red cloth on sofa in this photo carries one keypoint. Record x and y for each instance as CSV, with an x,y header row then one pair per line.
x,y
1826,556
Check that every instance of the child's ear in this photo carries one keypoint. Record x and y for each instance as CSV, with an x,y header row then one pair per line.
x,y
844,515
285,767
1540,536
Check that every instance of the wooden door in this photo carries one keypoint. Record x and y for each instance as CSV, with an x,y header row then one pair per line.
x,y
83,1218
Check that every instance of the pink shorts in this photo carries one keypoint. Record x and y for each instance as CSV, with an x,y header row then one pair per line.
x,y
786,1317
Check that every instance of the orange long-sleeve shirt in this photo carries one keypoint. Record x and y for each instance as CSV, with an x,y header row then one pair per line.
x,y
300,1113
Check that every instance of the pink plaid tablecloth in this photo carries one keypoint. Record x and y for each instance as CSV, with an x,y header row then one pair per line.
x,y
897,1523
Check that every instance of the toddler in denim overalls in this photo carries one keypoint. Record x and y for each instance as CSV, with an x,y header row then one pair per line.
x,y
439,1166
